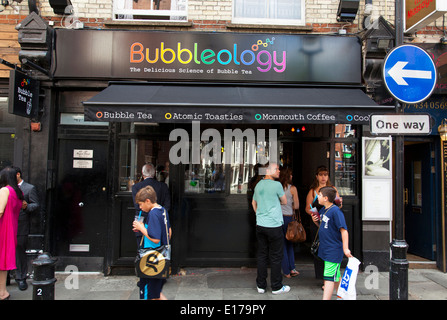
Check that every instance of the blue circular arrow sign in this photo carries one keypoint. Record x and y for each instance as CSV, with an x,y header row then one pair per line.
x,y
409,73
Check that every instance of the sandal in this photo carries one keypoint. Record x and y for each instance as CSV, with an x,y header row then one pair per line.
x,y
294,273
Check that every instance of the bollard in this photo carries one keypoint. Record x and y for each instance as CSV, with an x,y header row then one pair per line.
x,y
43,282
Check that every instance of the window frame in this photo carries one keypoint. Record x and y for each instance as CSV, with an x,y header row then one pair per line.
x,y
266,21
148,13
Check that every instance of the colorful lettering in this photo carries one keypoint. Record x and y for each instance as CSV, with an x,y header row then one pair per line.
x,y
265,60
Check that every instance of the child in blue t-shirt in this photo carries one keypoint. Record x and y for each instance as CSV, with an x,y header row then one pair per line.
x,y
154,232
334,239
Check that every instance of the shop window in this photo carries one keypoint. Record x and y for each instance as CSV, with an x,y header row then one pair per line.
x,y
7,134
206,177
233,175
280,12
134,152
346,168
155,10
344,131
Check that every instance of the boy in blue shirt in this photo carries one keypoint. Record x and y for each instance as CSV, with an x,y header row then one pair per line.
x,y
334,239
154,232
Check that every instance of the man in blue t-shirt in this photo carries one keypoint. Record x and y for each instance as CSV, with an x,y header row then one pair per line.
x,y
333,235
267,199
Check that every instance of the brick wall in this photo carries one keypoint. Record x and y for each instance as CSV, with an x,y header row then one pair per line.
x,y
215,14
9,47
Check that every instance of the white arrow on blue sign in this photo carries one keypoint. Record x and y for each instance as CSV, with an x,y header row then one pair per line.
x,y
409,73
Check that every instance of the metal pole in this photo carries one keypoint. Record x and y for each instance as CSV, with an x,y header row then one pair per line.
x,y
399,262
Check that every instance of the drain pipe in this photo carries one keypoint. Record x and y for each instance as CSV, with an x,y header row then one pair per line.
x,y
32,6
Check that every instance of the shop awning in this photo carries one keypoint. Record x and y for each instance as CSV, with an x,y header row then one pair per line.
x,y
208,103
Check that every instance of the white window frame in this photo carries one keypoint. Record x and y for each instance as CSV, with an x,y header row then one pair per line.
x,y
263,21
119,9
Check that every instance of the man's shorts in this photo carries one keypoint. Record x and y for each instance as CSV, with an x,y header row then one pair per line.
x,y
331,271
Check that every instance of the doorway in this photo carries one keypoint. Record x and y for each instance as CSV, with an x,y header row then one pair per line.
x,y
419,200
80,218
303,157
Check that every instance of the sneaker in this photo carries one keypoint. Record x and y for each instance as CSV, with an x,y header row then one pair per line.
x,y
284,289
260,290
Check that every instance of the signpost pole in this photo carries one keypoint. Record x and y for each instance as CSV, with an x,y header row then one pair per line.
x,y
398,262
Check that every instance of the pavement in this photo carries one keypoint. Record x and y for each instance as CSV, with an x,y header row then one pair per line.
x,y
231,284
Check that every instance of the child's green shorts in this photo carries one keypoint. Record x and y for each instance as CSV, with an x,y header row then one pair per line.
x,y
331,271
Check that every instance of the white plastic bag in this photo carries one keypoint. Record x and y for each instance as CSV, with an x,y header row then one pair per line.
x,y
346,289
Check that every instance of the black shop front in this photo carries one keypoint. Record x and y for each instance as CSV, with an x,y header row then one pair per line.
x,y
205,109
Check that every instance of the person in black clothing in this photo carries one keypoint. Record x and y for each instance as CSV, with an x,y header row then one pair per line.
x,y
31,207
161,189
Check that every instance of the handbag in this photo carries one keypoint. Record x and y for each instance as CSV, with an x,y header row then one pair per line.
x,y
154,263
295,230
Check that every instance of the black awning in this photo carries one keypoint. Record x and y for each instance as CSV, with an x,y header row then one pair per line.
x,y
140,102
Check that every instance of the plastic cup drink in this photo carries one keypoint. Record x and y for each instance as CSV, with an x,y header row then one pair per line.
x,y
337,201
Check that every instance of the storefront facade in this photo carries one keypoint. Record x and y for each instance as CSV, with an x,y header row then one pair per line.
x,y
191,103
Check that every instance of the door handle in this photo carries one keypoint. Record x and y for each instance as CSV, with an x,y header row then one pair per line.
x,y
406,196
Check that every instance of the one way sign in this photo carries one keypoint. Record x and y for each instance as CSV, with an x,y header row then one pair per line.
x,y
409,73
407,124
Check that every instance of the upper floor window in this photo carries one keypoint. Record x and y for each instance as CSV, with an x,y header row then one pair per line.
x,y
284,12
154,10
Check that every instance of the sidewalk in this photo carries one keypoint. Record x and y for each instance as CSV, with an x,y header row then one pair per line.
x,y
234,284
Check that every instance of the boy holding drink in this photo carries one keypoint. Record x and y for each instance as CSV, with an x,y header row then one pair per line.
x,y
333,239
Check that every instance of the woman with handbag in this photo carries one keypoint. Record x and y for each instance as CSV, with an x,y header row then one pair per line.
x,y
155,235
288,261
312,206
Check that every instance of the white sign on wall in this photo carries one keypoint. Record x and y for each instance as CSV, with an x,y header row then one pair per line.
x,y
400,124
377,180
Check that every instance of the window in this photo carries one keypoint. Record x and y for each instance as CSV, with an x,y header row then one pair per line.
x,y
237,169
285,12
140,144
153,10
345,168
345,159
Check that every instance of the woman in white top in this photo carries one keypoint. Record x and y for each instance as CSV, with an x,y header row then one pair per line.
x,y
288,261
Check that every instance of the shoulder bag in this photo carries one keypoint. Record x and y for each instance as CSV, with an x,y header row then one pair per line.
x,y
154,262
315,245
295,230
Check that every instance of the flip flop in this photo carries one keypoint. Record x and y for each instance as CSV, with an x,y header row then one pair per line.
x,y
294,273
